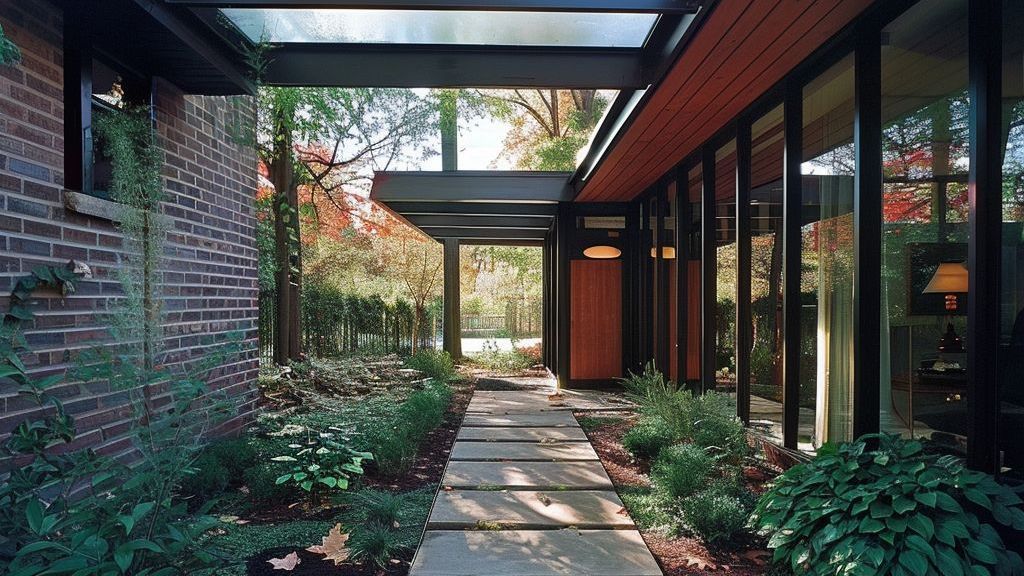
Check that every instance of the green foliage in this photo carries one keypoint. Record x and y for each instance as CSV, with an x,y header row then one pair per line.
x,y
240,541
221,464
647,507
714,516
385,525
857,509
261,480
435,364
321,464
395,446
682,470
647,439
337,322
494,359
9,52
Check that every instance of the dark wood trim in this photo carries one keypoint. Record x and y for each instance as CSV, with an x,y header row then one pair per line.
x,y
709,269
744,330
791,222
985,224
649,6
867,235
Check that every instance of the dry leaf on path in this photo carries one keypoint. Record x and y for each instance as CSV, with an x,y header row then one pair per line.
x,y
544,499
700,563
333,546
289,562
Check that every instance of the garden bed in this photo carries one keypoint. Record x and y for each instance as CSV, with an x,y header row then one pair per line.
x,y
678,554
371,405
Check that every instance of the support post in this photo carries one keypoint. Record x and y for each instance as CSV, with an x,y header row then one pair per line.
x,y
709,270
867,235
985,224
564,225
452,320
684,220
661,307
792,199
744,328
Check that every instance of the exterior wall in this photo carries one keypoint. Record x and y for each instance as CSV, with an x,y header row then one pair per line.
x,y
209,275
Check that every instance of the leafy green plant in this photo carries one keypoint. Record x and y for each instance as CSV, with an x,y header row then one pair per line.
x,y
681,470
320,464
436,364
220,464
648,438
713,515
379,544
890,509
9,52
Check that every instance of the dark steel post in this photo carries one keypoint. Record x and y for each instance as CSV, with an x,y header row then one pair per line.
x,y
709,270
792,200
744,328
565,226
452,321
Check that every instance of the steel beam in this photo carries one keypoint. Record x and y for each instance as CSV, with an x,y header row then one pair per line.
x,y
471,186
409,209
454,66
461,221
490,234
627,6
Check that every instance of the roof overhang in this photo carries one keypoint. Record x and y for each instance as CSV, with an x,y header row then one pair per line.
x,y
475,207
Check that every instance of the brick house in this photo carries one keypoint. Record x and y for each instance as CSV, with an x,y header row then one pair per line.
x,y
51,210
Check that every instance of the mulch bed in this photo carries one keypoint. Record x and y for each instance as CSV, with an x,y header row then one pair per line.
x,y
683,555
311,564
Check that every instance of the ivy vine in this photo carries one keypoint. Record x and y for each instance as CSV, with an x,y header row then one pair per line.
x,y
9,53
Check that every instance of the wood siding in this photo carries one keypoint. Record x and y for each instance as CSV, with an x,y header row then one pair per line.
x,y
596,316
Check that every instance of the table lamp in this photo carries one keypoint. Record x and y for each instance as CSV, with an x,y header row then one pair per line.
x,y
950,279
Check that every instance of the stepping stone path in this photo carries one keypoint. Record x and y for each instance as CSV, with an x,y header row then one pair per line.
x,y
524,494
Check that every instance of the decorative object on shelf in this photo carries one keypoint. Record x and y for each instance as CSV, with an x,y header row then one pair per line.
x,y
950,278
667,252
602,252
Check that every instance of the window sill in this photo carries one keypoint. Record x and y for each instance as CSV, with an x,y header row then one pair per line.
x,y
92,206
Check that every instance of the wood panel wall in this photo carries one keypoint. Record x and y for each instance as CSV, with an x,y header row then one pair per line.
x,y
596,319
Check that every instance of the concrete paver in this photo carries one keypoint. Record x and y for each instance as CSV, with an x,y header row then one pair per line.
x,y
528,509
535,451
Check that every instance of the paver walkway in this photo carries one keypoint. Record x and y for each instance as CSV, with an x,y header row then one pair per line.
x,y
524,494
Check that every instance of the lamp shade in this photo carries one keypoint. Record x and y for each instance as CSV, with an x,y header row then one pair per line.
x,y
950,277
601,252
667,252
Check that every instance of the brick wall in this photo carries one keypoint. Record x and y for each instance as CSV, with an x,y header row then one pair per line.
x,y
208,276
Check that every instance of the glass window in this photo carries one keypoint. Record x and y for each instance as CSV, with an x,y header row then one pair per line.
x,y
1011,423
924,228
826,285
725,236
767,155
477,27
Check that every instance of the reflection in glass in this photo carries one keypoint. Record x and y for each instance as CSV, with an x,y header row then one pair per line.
x,y
477,27
925,166
725,239
766,273
1011,422
826,285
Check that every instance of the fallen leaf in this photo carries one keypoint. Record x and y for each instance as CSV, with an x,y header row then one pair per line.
x,y
544,499
333,546
554,397
289,562
700,563
757,557
448,488
623,512
396,525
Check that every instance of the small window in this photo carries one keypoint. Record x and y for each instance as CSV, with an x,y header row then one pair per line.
x,y
114,90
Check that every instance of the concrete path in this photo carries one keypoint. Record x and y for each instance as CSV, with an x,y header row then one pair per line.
x,y
524,494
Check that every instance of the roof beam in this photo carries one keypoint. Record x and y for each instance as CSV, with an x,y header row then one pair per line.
x,y
471,186
473,208
485,233
463,221
447,66
650,6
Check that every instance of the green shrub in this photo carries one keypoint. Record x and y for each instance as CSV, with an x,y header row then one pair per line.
x,y
647,439
715,427
261,481
436,364
681,470
385,525
713,515
394,446
221,464
889,510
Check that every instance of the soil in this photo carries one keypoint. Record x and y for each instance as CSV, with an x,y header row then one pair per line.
x,y
682,555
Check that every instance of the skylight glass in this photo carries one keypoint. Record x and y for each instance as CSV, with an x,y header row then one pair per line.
x,y
575,29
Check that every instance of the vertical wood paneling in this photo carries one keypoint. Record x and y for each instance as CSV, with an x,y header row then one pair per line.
x,y
596,324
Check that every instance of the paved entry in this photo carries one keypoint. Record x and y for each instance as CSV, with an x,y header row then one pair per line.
x,y
524,494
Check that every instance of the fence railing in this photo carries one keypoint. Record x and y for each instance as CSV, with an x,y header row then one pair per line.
x,y
522,319
335,324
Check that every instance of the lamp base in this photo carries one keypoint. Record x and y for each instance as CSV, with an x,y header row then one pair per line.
x,y
950,341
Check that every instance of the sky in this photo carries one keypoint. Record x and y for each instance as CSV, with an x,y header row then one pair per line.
x,y
480,144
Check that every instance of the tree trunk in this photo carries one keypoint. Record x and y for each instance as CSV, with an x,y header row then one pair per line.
x,y
417,321
281,176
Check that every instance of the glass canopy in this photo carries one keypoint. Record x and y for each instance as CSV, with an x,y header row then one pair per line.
x,y
471,27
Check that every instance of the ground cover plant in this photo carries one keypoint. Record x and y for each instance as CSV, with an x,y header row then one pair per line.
x,y
881,505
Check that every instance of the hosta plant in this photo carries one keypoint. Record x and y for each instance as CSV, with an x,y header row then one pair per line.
x,y
880,505
322,464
